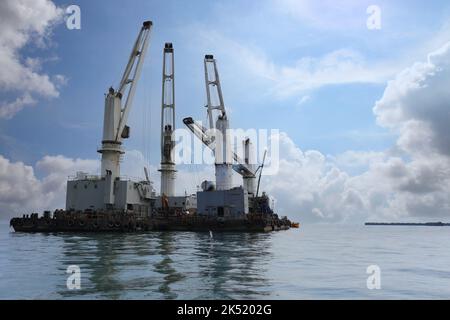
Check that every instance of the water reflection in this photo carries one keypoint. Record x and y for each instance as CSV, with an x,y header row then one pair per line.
x,y
96,255
167,265
233,265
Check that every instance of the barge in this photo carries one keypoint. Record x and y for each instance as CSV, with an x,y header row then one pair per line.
x,y
110,203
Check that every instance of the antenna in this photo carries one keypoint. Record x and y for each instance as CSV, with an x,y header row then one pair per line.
x,y
146,174
260,172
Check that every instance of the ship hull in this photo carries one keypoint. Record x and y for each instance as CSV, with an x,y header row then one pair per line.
x,y
122,222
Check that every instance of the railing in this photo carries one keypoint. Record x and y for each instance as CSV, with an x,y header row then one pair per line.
x,y
84,177
99,177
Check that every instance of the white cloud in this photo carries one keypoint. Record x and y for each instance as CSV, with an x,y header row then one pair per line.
x,y
21,22
309,186
416,104
21,191
60,80
8,110
341,66
326,14
313,187
303,100
413,181
358,160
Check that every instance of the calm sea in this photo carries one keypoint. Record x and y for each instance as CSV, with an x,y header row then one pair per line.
x,y
313,262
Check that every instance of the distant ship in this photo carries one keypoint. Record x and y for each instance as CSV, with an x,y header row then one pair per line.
x,y
426,224
108,202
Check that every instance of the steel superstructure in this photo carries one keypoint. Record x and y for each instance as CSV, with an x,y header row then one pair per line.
x,y
168,122
107,202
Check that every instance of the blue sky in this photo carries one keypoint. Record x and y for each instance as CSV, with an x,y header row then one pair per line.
x,y
335,118
313,70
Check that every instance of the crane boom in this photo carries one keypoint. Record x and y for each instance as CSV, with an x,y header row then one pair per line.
x,y
213,89
202,133
133,68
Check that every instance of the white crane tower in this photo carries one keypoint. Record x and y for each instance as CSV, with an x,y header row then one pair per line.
x,y
116,114
224,156
222,152
168,123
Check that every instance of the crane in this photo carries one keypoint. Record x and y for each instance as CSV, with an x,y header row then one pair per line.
x,y
116,114
240,166
168,123
219,128
224,156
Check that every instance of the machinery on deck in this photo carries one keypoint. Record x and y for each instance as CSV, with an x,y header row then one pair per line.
x,y
225,201
108,191
108,202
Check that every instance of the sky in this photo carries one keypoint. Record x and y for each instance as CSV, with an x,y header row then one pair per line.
x,y
363,113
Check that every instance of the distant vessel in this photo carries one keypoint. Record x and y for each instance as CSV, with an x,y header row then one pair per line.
x,y
426,224
109,202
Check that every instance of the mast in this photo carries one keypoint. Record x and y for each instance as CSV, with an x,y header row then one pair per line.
x,y
168,123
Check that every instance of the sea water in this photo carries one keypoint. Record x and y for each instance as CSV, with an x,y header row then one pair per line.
x,y
313,262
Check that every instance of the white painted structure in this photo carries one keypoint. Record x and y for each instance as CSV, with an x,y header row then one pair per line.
x,y
217,137
222,152
223,203
116,115
222,200
108,191
168,123
86,193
